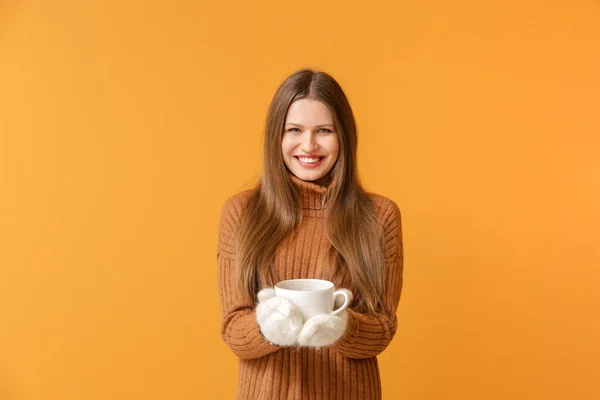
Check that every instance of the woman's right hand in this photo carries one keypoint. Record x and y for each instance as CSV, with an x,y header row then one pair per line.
x,y
279,319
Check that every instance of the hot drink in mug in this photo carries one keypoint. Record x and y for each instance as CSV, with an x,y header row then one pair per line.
x,y
311,296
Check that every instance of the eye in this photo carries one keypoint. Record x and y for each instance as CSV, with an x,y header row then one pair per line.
x,y
325,129
292,129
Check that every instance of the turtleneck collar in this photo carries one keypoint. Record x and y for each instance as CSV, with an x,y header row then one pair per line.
x,y
312,194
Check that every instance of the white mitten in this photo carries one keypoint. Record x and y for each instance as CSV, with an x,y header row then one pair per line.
x,y
279,319
324,329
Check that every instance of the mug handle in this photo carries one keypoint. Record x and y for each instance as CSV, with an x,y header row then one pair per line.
x,y
346,301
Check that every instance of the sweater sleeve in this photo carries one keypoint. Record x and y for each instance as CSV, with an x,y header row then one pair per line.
x,y
368,334
239,328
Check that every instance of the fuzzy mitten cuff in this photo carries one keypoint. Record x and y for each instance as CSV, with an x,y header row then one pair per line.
x,y
279,319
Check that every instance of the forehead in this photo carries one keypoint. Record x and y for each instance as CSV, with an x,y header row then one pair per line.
x,y
308,112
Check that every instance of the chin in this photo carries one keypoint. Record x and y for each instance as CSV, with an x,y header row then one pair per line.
x,y
308,176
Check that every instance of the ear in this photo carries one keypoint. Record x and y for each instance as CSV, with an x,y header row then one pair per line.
x,y
339,300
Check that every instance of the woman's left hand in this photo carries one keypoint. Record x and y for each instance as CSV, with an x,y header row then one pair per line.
x,y
323,329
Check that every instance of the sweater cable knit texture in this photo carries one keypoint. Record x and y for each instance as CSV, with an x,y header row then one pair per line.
x,y
346,370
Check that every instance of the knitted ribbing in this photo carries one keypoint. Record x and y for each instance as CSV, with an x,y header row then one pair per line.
x,y
347,370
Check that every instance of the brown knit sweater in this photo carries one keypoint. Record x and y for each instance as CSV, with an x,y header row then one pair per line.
x,y
347,369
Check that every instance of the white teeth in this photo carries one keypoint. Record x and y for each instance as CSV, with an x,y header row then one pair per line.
x,y
309,160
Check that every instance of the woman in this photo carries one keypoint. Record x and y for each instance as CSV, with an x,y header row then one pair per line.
x,y
309,217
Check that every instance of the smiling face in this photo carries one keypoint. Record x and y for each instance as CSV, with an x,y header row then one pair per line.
x,y
310,144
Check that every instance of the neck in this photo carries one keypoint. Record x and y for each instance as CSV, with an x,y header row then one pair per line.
x,y
312,192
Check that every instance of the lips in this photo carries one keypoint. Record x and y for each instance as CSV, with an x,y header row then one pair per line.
x,y
310,164
310,156
318,158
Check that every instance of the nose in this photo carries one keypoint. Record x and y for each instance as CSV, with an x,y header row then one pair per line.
x,y
309,143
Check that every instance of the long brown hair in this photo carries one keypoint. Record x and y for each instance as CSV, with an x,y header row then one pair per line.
x,y
274,207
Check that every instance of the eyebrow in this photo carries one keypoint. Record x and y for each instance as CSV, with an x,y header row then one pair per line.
x,y
318,126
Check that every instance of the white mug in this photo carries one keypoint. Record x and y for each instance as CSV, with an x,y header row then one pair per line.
x,y
311,296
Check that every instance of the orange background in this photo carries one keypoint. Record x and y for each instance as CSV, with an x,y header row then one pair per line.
x,y
124,126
